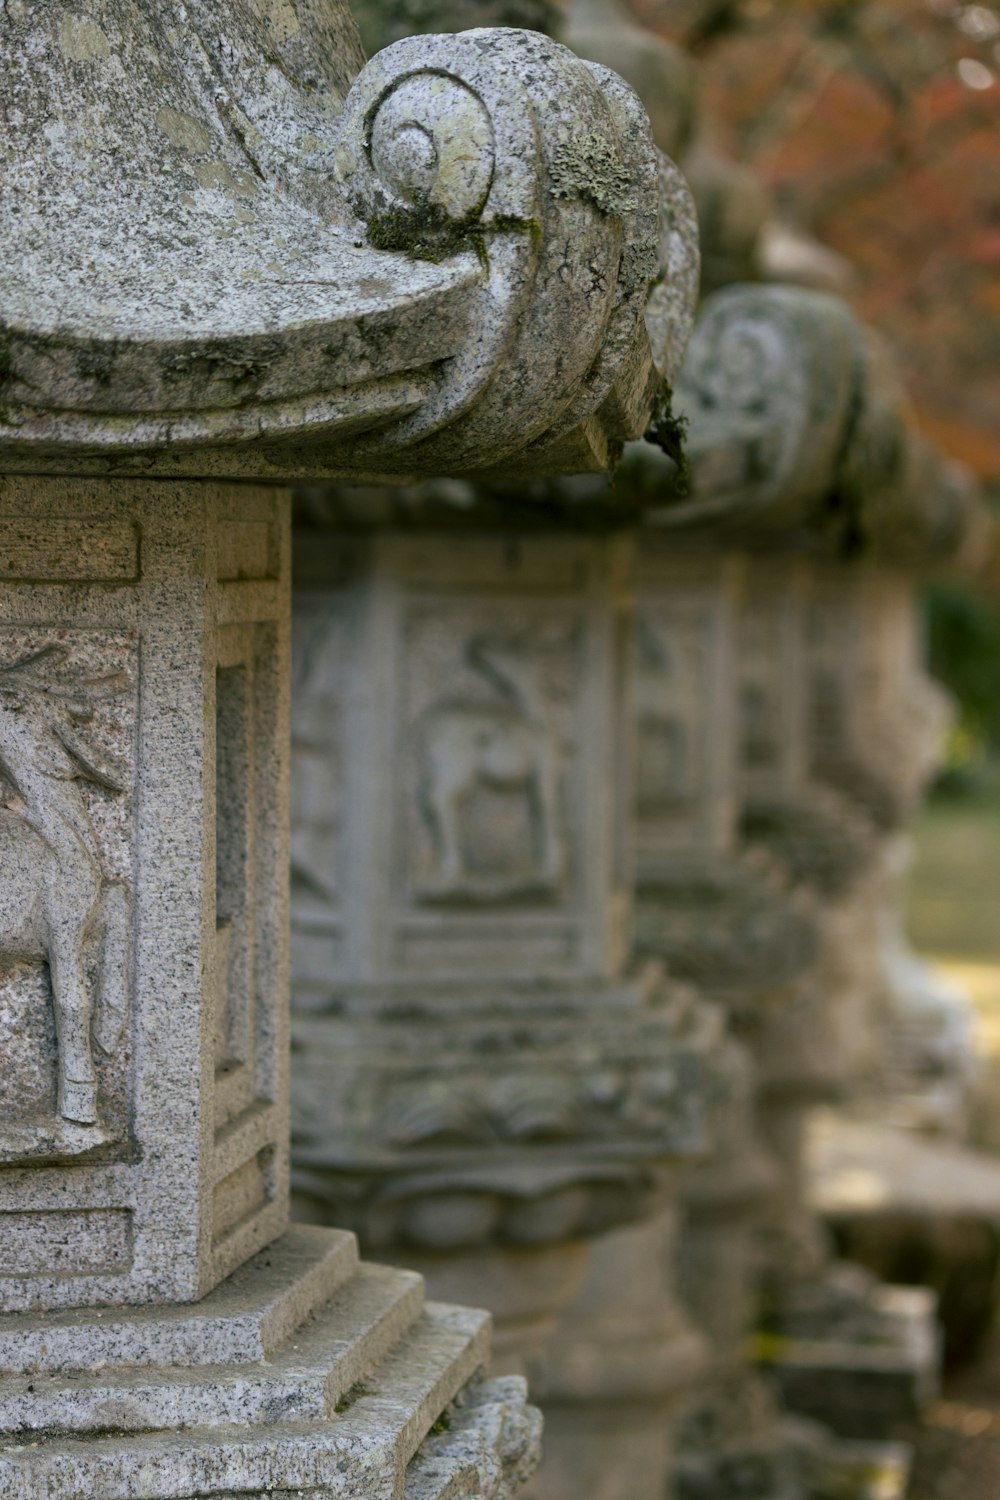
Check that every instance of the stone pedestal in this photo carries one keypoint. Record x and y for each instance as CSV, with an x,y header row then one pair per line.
x,y
619,1368
730,924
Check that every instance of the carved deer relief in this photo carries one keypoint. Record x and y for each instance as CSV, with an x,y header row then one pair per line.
x,y
54,899
509,745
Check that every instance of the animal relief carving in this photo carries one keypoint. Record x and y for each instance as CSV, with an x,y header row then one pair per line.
x,y
508,745
58,908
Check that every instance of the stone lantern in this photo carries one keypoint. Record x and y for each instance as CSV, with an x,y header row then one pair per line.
x,y
804,461
485,1083
235,252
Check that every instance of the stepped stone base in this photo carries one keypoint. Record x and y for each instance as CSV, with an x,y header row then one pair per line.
x,y
907,1207
857,1355
734,1441
304,1373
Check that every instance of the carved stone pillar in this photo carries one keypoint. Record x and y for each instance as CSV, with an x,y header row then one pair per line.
x,y
877,722
234,252
484,1082
797,441
801,1048
618,1370
727,922
842,1348
143,709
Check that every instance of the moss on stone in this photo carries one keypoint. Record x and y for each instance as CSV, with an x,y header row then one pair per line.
x,y
6,380
425,232
352,1394
668,430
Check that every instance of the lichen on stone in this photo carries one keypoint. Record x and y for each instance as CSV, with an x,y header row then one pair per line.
x,y
585,165
639,267
425,232
6,380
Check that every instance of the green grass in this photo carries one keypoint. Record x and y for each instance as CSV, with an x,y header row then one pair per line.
x,y
954,886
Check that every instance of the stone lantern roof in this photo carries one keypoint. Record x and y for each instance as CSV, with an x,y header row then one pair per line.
x,y
234,250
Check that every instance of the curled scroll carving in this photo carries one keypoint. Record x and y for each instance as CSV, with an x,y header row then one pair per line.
x,y
798,418
430,145
54,898
556,188
767,387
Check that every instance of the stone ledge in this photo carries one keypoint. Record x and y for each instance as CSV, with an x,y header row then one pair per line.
x,y
304,1382
244,1320
343,1410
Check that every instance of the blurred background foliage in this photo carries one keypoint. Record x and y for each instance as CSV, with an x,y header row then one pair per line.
x,y
963,646
875,126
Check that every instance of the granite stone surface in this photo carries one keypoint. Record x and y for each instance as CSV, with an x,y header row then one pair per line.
x,y
144,1120
163,1332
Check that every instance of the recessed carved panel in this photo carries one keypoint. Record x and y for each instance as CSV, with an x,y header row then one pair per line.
x,y
320,654
65,551
761,665
67,768
829,667
672,688
98,1241
245,1061
455,766
489,715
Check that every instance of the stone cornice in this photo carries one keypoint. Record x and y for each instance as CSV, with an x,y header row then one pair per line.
x,y
231,264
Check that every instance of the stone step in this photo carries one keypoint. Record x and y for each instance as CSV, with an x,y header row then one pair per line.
x,y
363,1448
487,1446
862,1385
304,1382
412,1386
250,1316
